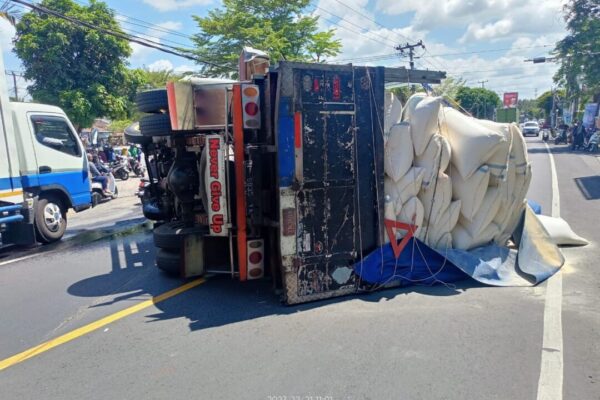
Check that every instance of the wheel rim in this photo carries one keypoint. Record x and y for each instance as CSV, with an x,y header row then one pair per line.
x,y
52,217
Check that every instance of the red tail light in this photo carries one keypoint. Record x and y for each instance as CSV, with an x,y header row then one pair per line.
x,y
255,257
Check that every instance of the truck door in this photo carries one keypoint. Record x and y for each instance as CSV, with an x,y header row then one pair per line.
x,y
61,160
336,175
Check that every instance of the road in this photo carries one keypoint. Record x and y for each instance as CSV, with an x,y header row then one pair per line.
x,y
226,340
109,216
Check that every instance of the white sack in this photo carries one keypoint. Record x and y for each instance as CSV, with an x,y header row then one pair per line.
x,y
470,191
472,143
398,157
393,112
560,232
429,160
462,239
446,154
410,105
444,225
484,217
441,188
411,213
445,242
424,122
498,162
389,212
409,185
518,150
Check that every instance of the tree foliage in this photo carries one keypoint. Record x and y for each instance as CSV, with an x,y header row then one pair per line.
x,y
480,102
579,51
279,27
78,69
529,108
152,79
449,87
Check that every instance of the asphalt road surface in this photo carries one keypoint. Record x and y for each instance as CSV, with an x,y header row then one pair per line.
x,y
226,340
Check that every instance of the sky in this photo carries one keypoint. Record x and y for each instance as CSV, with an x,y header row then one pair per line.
x,y
476,40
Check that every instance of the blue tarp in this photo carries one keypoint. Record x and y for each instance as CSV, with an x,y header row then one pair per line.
x,y
536,259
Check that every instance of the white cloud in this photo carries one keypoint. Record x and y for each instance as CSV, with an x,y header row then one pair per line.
x,y
491,31
483,19
172,5
169,25
164,64
185,68
161,65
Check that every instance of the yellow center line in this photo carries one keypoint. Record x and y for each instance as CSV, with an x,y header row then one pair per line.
x,y
74,334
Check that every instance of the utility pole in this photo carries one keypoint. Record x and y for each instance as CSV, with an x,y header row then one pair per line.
x,y
483,83
411,51
15,86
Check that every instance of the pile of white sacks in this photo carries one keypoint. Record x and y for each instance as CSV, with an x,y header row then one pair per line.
x,y
460,180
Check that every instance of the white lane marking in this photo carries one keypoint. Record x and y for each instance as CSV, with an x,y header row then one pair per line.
x,y
14,260
550,385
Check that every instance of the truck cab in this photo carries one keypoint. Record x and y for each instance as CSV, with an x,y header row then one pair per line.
x,y
43,173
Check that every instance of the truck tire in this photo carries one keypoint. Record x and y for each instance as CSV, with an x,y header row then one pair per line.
x,y
156,125
137,138
50,219
171,236
152,101
169,262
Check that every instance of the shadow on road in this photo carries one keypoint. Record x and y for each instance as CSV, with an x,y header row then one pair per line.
x,y
560,149
221,300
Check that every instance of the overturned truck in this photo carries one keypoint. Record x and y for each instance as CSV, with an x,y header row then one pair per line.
x,y
287,174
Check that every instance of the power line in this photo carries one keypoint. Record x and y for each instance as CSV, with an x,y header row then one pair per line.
x,y
145,24
355,25
393,55
132,38
375,21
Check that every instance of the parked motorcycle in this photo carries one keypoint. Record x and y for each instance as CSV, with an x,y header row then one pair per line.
x,y
119,170
136,167
98,195
561,138
545,135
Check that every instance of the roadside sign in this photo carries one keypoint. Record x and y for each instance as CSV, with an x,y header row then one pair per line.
x,y
511,99
215,186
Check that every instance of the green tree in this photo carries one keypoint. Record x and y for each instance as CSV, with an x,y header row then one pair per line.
x,y
279,27
323,45
76,68
158,78
529,108
578,52
449,87
480,102
544,102
548,99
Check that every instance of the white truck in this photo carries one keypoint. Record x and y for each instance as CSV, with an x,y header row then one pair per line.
x,y
43,171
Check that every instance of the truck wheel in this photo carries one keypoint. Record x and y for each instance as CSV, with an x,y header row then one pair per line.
x,y
156,125
171,236
133,135
50,219
169,262
152,101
